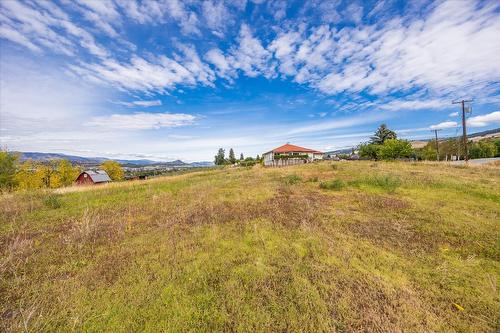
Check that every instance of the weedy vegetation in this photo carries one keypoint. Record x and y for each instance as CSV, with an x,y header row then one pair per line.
x,y
392,247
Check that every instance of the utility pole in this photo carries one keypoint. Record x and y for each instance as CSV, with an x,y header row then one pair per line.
x,y
437,142
464,137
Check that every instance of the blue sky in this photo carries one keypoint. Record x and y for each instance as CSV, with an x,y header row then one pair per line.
x,y
179,79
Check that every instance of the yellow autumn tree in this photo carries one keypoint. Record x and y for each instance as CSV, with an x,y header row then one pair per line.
x,y
114,170
27,176
66,172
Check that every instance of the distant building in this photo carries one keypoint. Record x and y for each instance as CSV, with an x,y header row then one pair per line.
x,y
290,155
93,177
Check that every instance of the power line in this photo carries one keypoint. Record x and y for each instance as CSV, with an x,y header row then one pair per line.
x,y
464,129
437,142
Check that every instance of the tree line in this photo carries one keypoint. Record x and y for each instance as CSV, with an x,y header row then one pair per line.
x,y
384,145
220,158
31,174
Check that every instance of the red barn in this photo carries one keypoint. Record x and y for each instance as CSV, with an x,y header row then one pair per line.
x,y
93,177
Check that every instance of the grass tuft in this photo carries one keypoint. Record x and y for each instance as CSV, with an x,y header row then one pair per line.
x,y
388,183
336,184
292,179
52,201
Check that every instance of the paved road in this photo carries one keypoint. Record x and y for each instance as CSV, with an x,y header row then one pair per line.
x,y
478,161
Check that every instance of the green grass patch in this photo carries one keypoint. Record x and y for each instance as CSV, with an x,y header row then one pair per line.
x,y
336,184
387,183
292,179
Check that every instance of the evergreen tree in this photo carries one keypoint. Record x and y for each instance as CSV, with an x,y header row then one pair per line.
x,y
241,157
232,158
220,158
382,134
7,170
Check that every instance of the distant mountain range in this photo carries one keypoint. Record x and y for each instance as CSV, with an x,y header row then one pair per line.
x,y
45,157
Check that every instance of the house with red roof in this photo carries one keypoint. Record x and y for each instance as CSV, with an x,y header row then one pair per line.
x,y
289,154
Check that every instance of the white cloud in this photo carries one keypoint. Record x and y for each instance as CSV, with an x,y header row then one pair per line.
x,y
224,68
155,102
41,24
336,124
216,15
484,120
444,125
141,121
156,74
453,114
414,104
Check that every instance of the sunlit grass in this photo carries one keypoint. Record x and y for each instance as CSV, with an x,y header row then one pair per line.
x,y
343,246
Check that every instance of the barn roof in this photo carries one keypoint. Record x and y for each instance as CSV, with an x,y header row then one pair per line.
x,y
288,148
98,176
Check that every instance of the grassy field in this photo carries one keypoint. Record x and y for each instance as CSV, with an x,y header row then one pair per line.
x,y
328,247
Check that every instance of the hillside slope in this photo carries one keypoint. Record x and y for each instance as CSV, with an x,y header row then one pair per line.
x,y
345,247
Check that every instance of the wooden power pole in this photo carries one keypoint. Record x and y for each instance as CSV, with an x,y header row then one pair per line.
x,y
464,128
437,142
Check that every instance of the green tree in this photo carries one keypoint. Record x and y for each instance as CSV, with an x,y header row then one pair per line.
x,y
369,150
232,158
383,133
220,158
428,153
113,169
496,142
241,157
482,149
7,170
394,148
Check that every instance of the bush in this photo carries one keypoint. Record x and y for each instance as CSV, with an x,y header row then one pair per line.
x,y
52,201
248,163
482,149
335,184
292,179
369,150
394,148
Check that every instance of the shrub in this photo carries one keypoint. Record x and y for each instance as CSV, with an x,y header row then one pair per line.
x,y
292,179
335,166
52,201
369,150
248,163
394,148
335,184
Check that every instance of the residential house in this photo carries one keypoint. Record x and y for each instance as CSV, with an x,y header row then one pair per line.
x,y
290,155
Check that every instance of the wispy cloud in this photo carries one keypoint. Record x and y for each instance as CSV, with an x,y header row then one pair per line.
x,y
155,102
414,104
141,121
484,120
444,125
